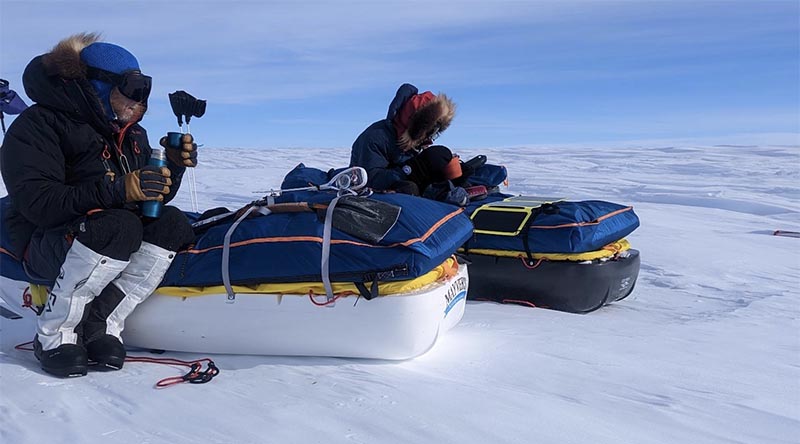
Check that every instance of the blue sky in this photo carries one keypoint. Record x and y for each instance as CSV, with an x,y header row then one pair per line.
x,y
523,73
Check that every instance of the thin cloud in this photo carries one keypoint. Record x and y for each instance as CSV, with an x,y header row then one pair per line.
x,y
504,61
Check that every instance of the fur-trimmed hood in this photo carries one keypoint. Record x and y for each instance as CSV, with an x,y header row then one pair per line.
x,y
64,60
419,119
57,80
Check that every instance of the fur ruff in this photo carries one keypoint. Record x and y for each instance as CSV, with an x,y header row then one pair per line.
x,y
437,113
64,59
127,110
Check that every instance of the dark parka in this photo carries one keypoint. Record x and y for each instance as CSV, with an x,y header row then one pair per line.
x,y
376,149
386,145
58,155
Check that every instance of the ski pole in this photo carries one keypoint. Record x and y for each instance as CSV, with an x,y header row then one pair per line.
x,y
192,182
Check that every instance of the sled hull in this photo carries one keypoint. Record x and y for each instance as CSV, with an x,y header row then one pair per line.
x,y
394,327
576,287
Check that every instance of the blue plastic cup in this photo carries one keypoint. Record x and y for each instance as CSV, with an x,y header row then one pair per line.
x,y
174,139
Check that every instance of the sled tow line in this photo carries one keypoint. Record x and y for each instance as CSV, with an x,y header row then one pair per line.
x,y
196,374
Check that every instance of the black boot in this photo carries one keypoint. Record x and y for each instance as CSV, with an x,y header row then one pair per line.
x,y
83,276
64,361
106,352
103,327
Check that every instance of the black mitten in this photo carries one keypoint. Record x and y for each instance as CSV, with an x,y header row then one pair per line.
x,y
429,166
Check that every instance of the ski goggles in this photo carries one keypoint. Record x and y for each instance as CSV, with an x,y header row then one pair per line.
x,y
433,134
132,84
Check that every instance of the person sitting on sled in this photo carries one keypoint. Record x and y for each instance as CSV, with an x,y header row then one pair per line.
x,y
397,152
75,165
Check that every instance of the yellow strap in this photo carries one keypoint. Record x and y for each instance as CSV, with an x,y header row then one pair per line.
x,y
304,288
526,210
514,204
609,250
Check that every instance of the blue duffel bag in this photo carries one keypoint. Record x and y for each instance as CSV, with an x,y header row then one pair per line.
x,y
523,224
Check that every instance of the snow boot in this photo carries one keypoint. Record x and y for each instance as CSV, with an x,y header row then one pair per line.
x,y
83,276
108,312
64,361
106,352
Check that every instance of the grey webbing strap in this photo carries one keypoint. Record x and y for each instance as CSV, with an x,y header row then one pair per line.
x,y
326,248
226,254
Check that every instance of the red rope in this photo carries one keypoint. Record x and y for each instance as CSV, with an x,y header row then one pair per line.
x,y
322,304
519,302
24,346
529,266
196,373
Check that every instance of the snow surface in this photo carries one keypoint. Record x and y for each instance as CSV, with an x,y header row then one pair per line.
x,y
706,350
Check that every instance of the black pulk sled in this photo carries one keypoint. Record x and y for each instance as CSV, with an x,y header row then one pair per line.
x,y
576,287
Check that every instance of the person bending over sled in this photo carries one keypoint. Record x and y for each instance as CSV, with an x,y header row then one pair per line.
x,y
75,166
398,154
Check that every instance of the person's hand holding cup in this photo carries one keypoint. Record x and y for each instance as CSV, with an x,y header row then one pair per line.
x,y
181,149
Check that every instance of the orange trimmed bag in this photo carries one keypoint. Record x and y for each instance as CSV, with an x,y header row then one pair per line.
x,y
556,227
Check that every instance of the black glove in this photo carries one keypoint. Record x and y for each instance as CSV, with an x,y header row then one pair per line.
x,y
185,155
405,187
434,164
148,183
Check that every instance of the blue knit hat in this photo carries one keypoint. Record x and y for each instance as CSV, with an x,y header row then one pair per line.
x,y
112,58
